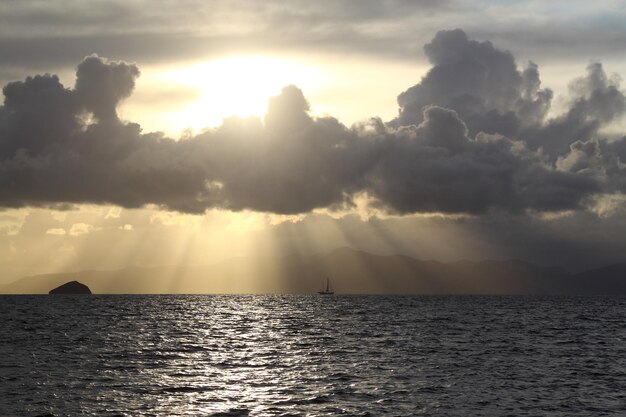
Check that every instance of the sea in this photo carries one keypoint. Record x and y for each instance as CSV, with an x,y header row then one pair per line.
x,y
292,355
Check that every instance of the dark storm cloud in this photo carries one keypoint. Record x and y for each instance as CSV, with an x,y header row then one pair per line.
x,y
596,102
41,52
573,37
35,36
43,35
99,87
484,86
481,83
471,137
436,167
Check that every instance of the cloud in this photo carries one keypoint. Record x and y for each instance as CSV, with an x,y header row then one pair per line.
x,y
37,36
34,35
437,167
480,82
78,229
11,222
472,137
101,85
596,101
485,87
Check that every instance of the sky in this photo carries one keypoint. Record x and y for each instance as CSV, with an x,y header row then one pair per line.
x,y
188,132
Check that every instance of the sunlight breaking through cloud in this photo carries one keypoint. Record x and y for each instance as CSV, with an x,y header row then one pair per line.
x,y
471,137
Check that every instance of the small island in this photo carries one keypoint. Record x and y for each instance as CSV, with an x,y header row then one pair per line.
x,y
72,287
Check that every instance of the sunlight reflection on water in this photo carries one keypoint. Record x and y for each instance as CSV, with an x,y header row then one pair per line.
x,y
309,355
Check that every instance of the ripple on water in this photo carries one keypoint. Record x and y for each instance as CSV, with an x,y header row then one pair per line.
x,y
302,355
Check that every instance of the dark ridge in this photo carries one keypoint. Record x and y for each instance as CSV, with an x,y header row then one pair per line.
x,y
72,287
350,271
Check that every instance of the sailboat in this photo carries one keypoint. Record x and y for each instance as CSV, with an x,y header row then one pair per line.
x,y
328,290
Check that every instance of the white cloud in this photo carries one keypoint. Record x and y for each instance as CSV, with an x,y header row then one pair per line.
x,y
11,221
78,229
114,213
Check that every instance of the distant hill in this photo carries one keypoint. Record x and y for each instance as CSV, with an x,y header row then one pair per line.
x,y
350,271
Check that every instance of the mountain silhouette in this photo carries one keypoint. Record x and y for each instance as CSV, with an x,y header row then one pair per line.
x,y
351,271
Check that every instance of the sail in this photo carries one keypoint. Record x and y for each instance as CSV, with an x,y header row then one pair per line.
x,y
328,290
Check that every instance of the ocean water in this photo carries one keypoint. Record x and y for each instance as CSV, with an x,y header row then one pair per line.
x,y
312,355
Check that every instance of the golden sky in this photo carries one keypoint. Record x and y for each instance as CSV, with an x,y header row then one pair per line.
x,y
315,172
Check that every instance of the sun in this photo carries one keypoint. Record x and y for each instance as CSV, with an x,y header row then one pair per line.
x,y
235,86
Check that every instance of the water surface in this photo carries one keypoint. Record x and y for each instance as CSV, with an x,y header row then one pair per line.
x,y
312,355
